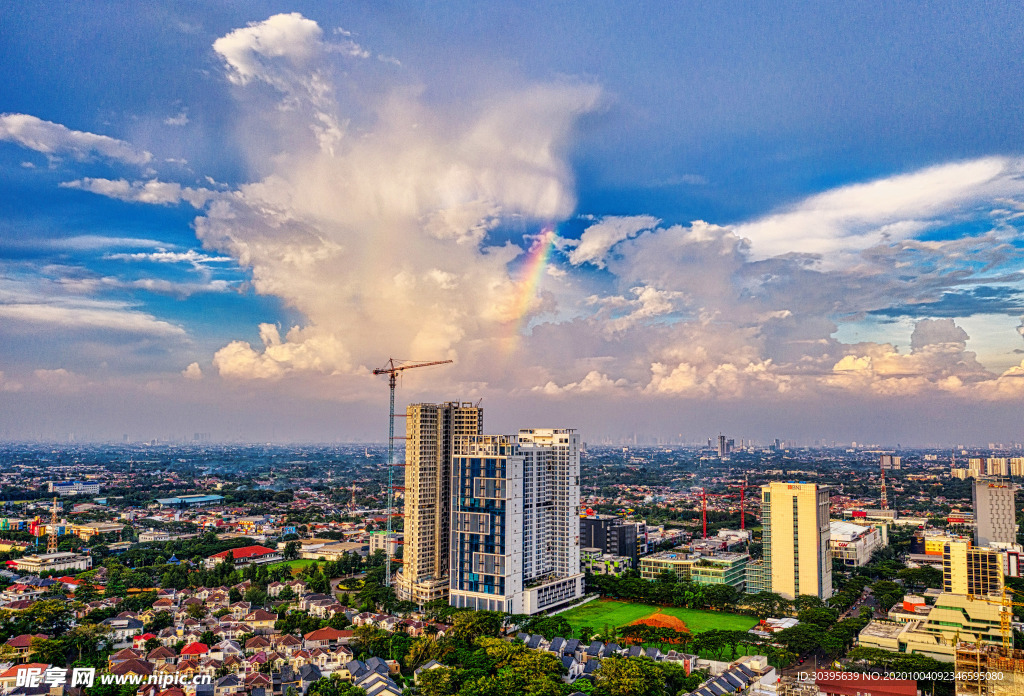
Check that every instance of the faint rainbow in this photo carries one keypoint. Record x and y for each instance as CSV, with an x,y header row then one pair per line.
x,y
531,275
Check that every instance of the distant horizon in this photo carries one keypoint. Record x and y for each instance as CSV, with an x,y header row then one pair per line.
x,y
1010,446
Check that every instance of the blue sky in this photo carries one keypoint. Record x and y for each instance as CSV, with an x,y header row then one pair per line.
x,y
218,217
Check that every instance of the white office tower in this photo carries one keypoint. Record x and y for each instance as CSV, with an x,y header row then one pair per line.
x,y
515,522
432,431
994,516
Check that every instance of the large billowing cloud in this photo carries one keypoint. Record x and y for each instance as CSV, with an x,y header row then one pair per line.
x,y
379,234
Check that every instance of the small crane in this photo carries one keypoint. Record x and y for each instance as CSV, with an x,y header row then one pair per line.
x,y
743,511
704,495
392,368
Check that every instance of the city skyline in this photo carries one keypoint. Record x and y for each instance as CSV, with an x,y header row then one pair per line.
x,y
677,222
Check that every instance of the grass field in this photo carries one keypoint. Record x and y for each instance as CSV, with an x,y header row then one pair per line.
x,y
598,613
296,565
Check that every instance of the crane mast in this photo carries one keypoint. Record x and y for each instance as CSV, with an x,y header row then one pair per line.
x,y
392,368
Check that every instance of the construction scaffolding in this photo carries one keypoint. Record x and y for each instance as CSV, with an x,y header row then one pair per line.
x,y
987,670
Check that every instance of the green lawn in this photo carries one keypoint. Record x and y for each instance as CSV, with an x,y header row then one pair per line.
x,y
614,613
296,565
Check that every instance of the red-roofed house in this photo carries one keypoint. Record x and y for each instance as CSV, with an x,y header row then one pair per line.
x,y
245,555
23,644
196,648
140,641
9,679
322,638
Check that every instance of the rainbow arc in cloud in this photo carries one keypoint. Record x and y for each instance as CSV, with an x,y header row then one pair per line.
x,y
532,272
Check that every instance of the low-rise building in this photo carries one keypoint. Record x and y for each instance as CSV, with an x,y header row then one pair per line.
x,y
717,569
88,530
64,488
854,544
379,541
594,560
954,618
334,551
246,555
46,562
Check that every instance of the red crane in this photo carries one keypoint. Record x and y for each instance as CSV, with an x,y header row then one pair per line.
x,y
704,495
743,510
392,369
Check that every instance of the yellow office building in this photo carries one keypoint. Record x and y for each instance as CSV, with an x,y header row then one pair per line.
x,y
971,570
795,521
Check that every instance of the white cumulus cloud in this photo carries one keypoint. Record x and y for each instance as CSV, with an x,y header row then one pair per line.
x,y
55,139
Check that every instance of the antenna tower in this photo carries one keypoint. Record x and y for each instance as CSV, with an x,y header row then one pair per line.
x,y
51,540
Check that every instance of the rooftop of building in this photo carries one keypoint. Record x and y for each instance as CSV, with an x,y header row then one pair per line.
x,y
883,629
723,556
847,531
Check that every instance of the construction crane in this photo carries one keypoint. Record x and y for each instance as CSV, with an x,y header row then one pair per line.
x,y
704,495
743,511
1005,616
392,368
51,540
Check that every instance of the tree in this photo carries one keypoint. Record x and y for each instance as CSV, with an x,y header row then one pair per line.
x,y
256,595
722,597
160,621
819,616
51,651
765,604
86,592
473,624
442,681
291,550
333,686
802,638
318,583
619,676
805,601
196,611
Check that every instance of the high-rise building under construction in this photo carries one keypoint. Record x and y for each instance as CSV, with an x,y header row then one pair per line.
x,y
432,433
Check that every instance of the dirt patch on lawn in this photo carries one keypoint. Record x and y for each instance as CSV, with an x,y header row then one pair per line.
x,y
660,620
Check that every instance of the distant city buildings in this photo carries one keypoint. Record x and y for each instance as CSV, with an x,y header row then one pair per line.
x,y
432,433
185,501
67,488
994,512
795,533
515,542
890,462
725,446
